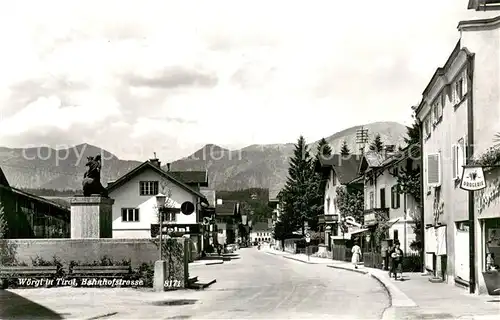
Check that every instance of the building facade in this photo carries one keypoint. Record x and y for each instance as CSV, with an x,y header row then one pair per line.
x,y
134,212
460,113
382,196
261,232
337,171
30,216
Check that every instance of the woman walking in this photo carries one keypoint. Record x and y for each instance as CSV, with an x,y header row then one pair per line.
x,y
356,255
397,261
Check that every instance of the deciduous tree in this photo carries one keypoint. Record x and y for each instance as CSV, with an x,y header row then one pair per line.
x,y
350,202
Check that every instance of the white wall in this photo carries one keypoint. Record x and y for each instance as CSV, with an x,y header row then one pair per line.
x,y
443,136
128,196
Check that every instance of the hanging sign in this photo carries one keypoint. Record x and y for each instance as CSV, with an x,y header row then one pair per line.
x,y
473,179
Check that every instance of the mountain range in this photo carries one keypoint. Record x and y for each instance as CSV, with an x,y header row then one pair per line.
x,y
263,166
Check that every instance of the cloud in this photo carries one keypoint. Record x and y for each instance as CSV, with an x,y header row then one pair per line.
x,y
168,77
174,77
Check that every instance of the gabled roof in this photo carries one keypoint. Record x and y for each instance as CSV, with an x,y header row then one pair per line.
x,y
3,179
345,167
261,226
192,177
370,159
148,165
227,208
36,198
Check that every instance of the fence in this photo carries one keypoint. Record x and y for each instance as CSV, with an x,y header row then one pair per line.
x,y
412,262
341,254
308,250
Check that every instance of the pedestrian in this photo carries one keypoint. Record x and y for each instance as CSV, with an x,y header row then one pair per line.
x,y
356,255
397,261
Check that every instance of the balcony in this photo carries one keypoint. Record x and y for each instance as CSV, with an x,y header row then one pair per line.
x,y
328,218
372,214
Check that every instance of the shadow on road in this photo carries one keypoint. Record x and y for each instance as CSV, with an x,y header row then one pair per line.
x,y
14,306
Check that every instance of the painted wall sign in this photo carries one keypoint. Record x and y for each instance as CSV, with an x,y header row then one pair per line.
x,y
489,195
438,210
473,179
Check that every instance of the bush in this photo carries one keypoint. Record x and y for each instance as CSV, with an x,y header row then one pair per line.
x,y
145,272
412,263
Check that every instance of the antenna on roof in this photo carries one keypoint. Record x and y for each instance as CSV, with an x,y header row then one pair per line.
x,y
362,138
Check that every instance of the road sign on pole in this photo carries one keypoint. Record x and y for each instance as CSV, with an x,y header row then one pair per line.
x,y
308,237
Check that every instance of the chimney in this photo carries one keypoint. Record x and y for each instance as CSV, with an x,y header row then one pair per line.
x,y
155,162
168,167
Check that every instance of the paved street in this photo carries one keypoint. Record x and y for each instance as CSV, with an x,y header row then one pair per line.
x,y
257,286
262,285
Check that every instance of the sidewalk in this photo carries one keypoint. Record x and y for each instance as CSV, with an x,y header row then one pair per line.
x,y
417,298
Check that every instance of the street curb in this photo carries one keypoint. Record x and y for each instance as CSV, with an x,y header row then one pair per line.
x,y
397,298
347,269
212,263
308,262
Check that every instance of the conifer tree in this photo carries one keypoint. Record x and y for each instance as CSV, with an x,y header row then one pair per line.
x,y
323,150
377,144
413,133
344,151
301,194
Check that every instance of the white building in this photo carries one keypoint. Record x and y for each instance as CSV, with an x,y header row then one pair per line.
x,y
337,171
261,232
134,210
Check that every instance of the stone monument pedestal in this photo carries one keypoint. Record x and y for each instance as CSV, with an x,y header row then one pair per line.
x,y
91,217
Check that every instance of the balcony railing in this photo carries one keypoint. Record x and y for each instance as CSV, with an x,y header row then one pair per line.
x,y
372,214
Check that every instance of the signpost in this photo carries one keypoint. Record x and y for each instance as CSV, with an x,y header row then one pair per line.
x,y
308,239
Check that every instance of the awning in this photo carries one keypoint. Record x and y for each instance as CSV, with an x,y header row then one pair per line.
x,y
358,231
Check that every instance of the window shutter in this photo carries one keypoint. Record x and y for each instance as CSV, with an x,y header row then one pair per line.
x,y
454,161
461,158
398,200
393,204
433,170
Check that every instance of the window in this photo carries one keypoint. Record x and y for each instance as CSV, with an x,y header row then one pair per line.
x,y
459,90
371,204
458,159
433,169
328,205
395,197
130,214
148,188
382,198
169,216
437,109
395,235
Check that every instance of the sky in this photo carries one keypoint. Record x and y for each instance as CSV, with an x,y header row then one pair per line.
x,y
137,77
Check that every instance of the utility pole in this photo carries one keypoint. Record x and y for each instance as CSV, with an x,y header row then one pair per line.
x,y
362,139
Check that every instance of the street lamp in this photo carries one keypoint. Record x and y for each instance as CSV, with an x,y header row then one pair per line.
x,y
160,203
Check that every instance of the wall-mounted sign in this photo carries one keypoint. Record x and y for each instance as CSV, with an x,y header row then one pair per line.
x,y
473,179
370,219
175,229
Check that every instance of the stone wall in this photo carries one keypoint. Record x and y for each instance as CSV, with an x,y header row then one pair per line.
x,y
86,251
